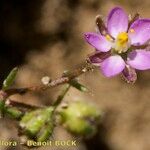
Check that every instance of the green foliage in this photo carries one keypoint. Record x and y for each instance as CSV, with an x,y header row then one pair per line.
x,y
2,107
13,113
10,79
78,85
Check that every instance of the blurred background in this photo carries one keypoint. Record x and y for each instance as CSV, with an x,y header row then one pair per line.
x,y
45,37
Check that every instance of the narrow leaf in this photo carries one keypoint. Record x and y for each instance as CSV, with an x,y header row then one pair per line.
x,y
78,86
10,79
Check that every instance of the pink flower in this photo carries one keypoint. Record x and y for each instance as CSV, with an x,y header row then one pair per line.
x,y
120,49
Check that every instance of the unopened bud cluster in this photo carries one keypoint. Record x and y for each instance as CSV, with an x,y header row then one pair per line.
x,y
80,118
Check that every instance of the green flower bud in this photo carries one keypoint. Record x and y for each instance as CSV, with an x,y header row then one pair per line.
x,y
37,124
80,118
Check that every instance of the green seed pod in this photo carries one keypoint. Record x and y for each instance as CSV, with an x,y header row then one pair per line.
x,y
37,124
80,118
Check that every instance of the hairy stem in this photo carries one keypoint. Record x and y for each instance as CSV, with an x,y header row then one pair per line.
x,y
65,78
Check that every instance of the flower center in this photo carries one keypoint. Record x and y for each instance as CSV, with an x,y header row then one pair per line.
x,y
122,43
122,38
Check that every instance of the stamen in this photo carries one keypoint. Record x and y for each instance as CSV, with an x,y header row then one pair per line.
x,y
108,37
132,30
122,38
122,42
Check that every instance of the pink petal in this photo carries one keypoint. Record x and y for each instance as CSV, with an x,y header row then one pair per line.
x,y
139,59
98,41
98,57
112,65
139,32
117,21
129,74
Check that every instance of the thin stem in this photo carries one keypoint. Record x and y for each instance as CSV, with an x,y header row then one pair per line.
x,y
65,78
61,96
3,97
21,105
